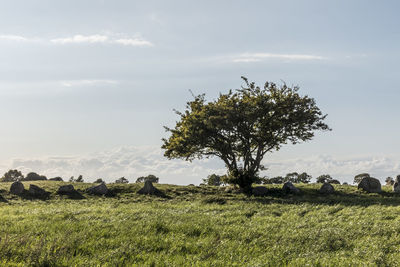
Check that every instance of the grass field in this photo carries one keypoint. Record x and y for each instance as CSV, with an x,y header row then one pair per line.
x,y
200,226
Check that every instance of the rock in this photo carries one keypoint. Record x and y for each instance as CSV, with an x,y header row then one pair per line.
x,y
396,184
66,189
17,188
396,187
100,189
36,191
327,188
260,191
288,187
370,184
149,189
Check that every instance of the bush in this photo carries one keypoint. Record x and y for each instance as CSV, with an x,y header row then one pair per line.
x,y
152,178
99,181
33,176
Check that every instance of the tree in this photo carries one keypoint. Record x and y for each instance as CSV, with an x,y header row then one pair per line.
x,y
389,181
12,176
304,178
359,177
242,126
213,179
33,176
276,180
121,180
99,181
291,177
324,178
152,178
79,179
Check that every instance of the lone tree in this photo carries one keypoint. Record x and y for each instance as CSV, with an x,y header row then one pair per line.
x,y
242,126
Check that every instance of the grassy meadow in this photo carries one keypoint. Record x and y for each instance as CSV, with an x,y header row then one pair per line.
x,y
200,226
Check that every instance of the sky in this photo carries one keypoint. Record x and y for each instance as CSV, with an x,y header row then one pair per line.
x,y
87,86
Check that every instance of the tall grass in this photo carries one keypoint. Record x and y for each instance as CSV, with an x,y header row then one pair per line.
x,y
200,226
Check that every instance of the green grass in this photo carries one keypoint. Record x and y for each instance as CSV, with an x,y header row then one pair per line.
x,y
200,226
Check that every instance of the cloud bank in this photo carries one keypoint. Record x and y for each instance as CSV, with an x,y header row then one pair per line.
x,y
132,162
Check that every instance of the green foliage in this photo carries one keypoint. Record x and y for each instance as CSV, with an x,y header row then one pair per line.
x,y
33,176
324,178
275,180
200,226
121,180
241,127
359,177
99,181
12,176
213,179
152,178
295,177
79,179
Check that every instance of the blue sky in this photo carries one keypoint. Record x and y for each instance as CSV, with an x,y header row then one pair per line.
x,y
86,86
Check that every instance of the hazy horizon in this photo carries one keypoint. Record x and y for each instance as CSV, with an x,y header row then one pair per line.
x,y
86,87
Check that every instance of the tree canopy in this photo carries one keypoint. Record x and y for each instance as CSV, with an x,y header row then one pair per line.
x,y
242,126
213,179
12,176
152,178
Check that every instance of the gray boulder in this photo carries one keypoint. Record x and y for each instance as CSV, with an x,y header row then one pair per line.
x,y
149,189
100,189
66,189
327,188
288,187
370,184
396,184
17,188
36,191
396,187
260,191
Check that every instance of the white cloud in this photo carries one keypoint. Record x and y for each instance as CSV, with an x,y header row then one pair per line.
x,y
130,162
105,39
255,57
78,39
109,38
133,162
342,168
133,42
